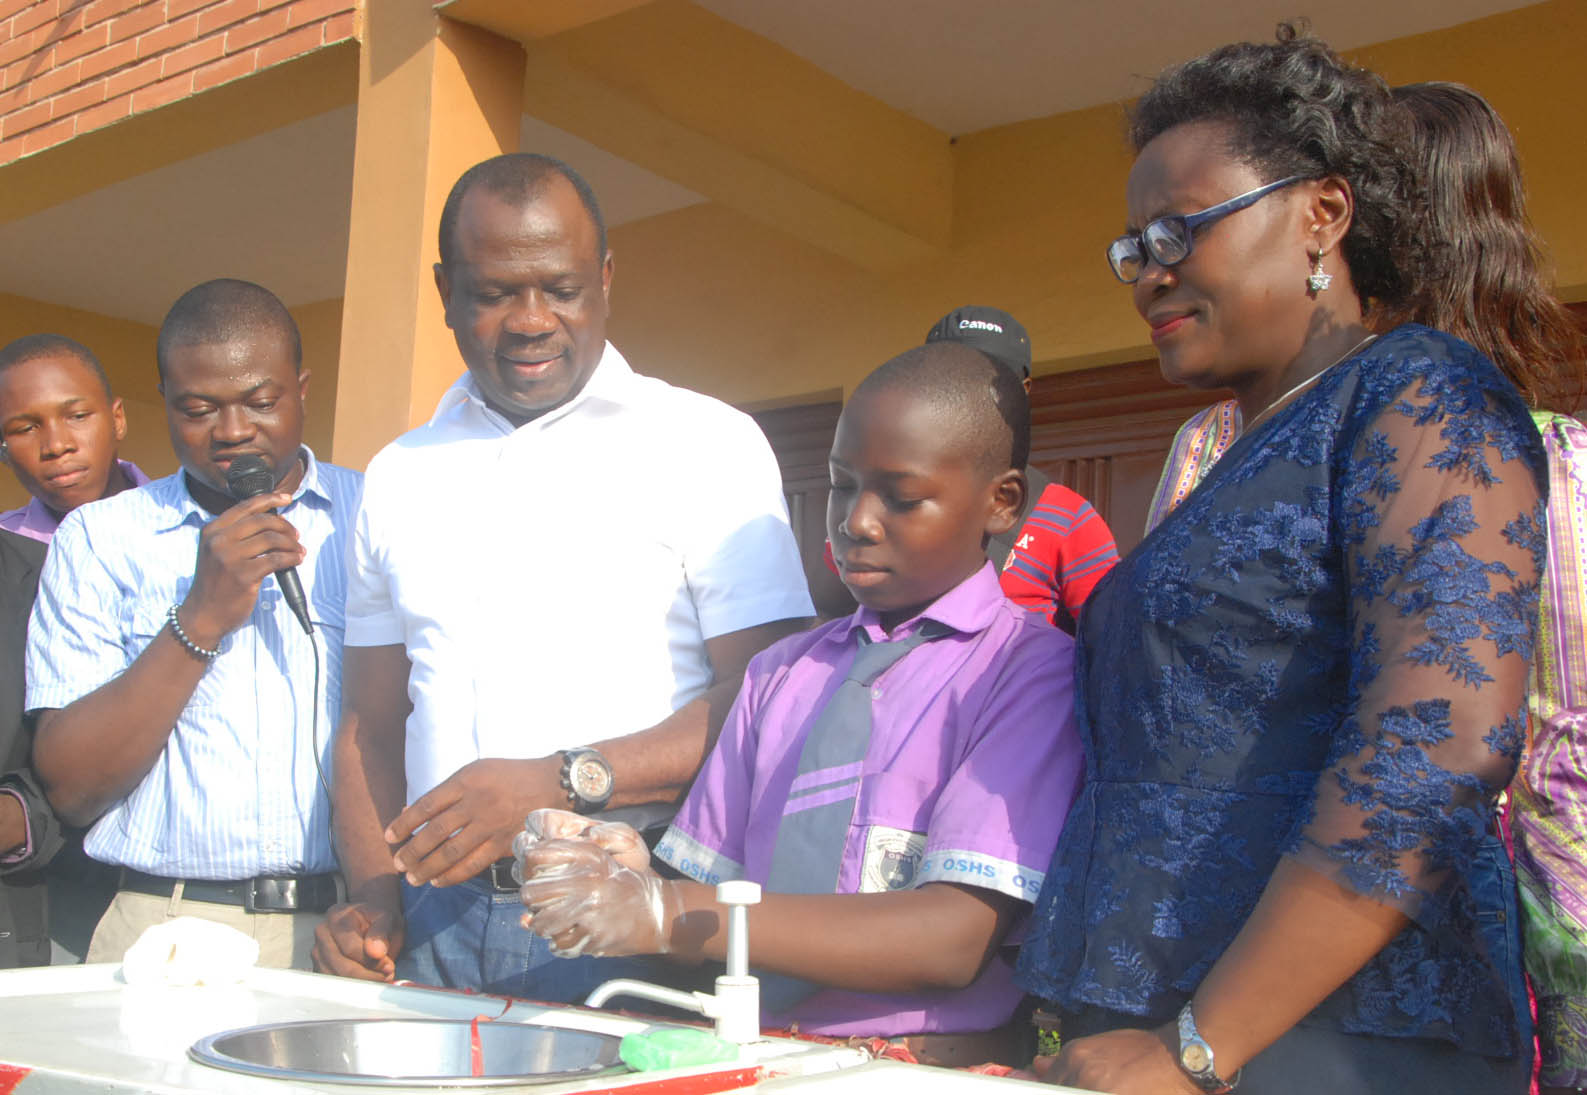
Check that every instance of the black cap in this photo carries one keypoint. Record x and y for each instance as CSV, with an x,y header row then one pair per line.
x,y
993,331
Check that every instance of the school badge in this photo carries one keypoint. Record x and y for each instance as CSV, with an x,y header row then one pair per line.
x,y
892,859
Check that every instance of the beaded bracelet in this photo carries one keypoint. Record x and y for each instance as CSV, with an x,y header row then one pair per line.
x,y
181,637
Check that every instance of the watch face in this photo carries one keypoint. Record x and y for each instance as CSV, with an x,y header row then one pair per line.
x,y
1194,1058
591,779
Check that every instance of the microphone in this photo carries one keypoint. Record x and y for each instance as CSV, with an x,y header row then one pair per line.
x,y
248,477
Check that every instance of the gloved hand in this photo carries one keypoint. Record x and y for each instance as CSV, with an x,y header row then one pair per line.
x,y
622,841
584,901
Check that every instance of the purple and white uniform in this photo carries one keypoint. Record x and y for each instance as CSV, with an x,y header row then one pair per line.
x,y
38,522
972,765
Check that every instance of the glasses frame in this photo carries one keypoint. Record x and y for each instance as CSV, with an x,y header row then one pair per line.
x,y
1187,225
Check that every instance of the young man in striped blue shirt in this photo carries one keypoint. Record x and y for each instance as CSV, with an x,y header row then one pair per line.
x,y
179,701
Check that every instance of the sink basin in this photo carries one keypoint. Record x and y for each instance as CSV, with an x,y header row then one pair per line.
x,y
411,1052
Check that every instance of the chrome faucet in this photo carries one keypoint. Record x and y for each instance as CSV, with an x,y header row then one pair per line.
x,y
736,1004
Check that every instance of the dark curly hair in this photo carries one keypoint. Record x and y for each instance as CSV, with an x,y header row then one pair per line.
x,y
1294,108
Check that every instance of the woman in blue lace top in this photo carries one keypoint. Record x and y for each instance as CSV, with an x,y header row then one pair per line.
x,y
1302,692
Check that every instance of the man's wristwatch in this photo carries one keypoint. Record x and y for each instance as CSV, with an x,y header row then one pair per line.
x,y
587,779
1195,1057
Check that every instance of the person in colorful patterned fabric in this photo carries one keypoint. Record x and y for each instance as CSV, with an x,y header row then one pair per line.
x,y
1198,443
896,778
1302,694
1491,288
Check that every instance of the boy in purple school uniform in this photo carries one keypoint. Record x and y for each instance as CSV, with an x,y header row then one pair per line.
x,y
901,823
60,425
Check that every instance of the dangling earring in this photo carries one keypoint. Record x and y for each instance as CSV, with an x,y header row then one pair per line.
x,y
1317,281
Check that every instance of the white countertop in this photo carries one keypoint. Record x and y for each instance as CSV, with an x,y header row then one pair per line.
x,y
80,1028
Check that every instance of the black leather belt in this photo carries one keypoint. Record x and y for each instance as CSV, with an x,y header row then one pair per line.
x,y
311,893
498,876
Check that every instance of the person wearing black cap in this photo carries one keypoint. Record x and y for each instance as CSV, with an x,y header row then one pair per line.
x,y
993,331
1060,547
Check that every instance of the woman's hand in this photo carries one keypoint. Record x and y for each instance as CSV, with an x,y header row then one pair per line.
x,y
1122,1062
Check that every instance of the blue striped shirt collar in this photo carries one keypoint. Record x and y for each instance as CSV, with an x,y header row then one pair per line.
x,y
172,493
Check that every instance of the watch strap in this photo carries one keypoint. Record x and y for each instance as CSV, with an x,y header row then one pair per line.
x,y
581,803
1206,1077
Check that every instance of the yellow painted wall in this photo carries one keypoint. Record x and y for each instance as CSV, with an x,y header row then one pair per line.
x,y
435,97
712,300
320,324
721,301
126,349
753,96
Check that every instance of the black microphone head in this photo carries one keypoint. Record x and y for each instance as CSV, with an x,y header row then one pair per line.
x,y
249,476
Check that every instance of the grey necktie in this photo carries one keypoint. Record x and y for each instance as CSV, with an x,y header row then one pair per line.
x,y
814,830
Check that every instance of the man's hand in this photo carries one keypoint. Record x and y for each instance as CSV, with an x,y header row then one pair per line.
x,y
236,552
468,821
1124,1062
359,940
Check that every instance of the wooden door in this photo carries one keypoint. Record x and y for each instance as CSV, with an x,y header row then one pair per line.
x,y
801,437
1104,433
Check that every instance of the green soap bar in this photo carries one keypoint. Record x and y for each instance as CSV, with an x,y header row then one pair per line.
x,y
673,1047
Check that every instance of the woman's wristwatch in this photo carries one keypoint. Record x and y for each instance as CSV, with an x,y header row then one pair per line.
x,y
1195,1057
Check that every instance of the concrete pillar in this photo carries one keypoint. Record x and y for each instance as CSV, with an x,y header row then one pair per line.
x,y
434,97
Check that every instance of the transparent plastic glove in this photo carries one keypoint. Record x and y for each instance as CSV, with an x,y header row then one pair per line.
x,y
583,901
622,841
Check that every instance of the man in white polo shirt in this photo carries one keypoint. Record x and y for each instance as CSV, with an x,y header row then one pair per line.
x,y
568,555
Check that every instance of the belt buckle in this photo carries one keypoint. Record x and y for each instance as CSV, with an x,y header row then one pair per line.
x,y
501,876
279,895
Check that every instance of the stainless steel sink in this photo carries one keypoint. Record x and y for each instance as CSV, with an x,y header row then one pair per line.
x,y
411,1052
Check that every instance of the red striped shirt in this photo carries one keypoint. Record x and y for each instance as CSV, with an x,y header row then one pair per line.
x,y
1062,551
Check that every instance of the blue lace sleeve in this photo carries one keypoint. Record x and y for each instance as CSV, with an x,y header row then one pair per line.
x,y
1443,537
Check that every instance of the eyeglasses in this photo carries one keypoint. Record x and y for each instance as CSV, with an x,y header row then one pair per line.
x,y
1168,240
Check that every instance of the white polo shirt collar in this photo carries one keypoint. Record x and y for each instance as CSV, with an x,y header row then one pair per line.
x,y
610,383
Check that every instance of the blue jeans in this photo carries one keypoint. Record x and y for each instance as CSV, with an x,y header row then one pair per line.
x,y
468,936
1499,925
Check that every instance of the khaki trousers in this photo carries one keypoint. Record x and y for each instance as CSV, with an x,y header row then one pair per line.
x,y
285,938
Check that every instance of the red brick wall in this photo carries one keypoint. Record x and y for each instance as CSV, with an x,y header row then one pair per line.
x,y
71,66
